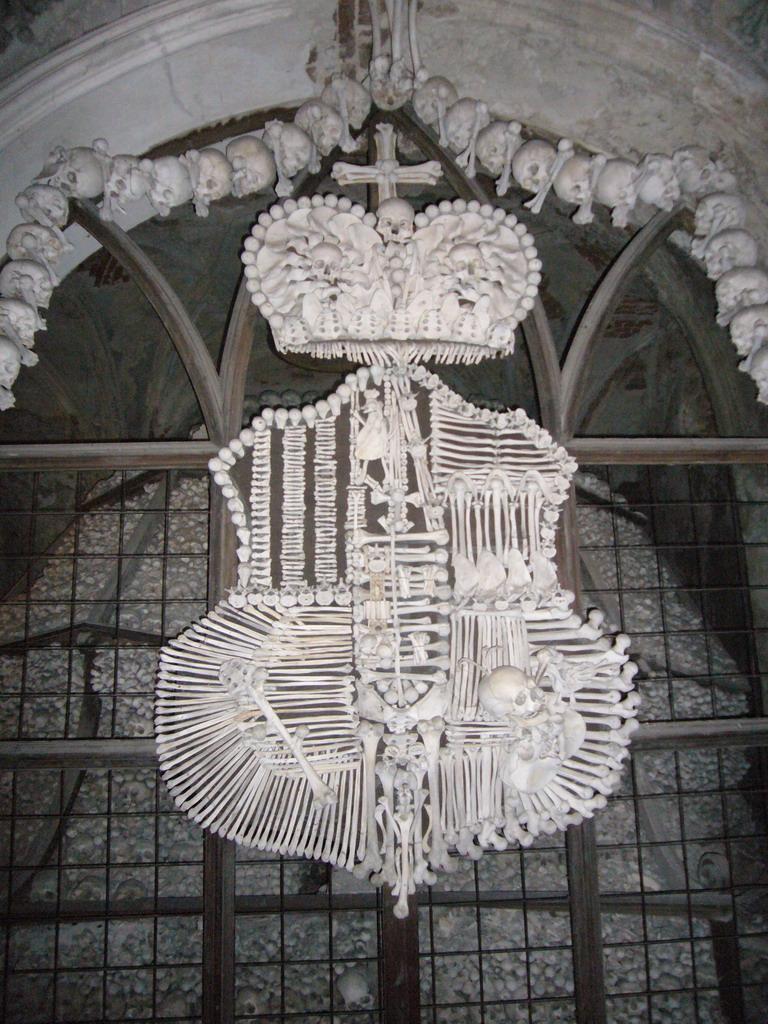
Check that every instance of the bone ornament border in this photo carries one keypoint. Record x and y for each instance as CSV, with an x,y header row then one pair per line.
x,y
273,157
398,671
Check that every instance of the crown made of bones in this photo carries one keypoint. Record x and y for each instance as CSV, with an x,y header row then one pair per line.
x,y
332,279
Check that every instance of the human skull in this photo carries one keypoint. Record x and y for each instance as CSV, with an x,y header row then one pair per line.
x,y
26,280
532,164
731,248
19,321
211,175
353,103
698,173
434,96
463,121
322,123
248,1001
507,693
714,213
293,151
616,188
326,261
78,172
391,84
657,183
573,181
253,166
355,989
169,183
394,220
126,183
759,372
10,363
749,327
44,204
496,144
742,286
35,242
467,264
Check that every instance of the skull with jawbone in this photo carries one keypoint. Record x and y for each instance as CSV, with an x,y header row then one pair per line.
x,y
169,183
211,175
45,205
327,262
394,220
253,166
126,183
469,270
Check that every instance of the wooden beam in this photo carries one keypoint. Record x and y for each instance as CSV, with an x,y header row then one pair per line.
x,y
399,977
183,333
586,930
107,455
702,732
236,354
687,451
703,904
600,306
546,367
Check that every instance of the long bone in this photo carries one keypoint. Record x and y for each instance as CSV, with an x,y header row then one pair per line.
x,y
387,873
252,678
431,732
368,850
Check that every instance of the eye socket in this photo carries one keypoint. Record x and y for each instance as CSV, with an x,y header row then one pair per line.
x,y
520,699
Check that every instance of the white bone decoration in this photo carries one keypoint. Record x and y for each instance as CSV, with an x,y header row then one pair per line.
x,y
398,673
480,141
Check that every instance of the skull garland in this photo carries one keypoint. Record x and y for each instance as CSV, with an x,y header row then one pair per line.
x,y
169,183
293,149
211,176
35,242
10,364
253,165
126,182
78,172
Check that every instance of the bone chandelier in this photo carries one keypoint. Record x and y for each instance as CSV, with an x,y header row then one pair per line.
x,y
398,671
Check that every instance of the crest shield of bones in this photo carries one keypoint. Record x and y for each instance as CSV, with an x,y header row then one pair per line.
x,y
398,673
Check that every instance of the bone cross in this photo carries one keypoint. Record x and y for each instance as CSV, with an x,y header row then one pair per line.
x,y
386,173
